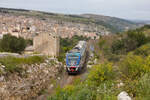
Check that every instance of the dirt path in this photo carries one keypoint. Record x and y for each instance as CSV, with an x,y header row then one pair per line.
x,y
69,79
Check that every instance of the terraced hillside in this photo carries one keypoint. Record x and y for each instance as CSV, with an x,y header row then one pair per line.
x,y
113,23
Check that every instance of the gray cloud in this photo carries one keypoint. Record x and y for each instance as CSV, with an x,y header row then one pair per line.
x,y
129,9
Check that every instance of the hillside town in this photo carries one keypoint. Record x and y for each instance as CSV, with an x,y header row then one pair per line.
x,y
29,27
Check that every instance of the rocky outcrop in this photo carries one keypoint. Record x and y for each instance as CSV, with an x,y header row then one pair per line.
x,y
27,85
124,96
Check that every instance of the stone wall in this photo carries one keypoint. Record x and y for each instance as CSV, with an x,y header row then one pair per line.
x,y
46,44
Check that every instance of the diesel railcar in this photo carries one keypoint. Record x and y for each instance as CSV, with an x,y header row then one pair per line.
x,y
76,58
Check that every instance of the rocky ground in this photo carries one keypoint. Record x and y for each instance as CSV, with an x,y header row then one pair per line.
x,y
28,84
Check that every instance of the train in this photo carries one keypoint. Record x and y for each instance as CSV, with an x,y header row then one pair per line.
x,y
76,58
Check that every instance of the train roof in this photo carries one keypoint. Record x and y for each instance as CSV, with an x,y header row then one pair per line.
x,y
78,47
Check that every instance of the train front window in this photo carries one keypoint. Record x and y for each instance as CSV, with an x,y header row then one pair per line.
x,y
73,61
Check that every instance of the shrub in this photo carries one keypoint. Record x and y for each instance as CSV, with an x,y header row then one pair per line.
x,y
147,64
143,87
107,91
29,42
85,94
138,36
143,50
71,92
133,70
32,59
61,58
114,58
145,27
118,47
132,67
129,41
101,43
139,89
12,64
100,73
12,44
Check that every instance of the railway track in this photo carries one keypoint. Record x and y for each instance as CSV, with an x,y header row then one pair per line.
x,y
64,79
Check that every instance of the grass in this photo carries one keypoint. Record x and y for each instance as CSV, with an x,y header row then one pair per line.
x,y
12,63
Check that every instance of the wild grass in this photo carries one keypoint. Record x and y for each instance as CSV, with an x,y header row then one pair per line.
x,y
12,64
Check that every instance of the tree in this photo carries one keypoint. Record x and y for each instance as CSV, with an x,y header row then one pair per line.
x,y
130,41
13,44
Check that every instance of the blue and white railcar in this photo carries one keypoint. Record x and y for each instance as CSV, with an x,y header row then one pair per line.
x,y
76,58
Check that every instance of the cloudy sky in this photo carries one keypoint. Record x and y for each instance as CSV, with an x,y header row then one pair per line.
x,y
128,9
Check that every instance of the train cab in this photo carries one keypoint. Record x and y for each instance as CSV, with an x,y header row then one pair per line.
x,y
73,62
75,58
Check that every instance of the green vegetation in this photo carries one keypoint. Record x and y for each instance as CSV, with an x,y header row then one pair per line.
x,y
29,42
127,61
99,85
132,67
132,70
12,44
13,64
144,50
100,73
130,41
67,44
70,92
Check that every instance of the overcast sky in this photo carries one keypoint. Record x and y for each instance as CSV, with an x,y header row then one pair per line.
x,y
128,9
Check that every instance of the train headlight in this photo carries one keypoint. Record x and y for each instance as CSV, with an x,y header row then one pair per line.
x,y
69,69
76,68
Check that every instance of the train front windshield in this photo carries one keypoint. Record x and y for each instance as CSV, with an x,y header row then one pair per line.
x,y
73,60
